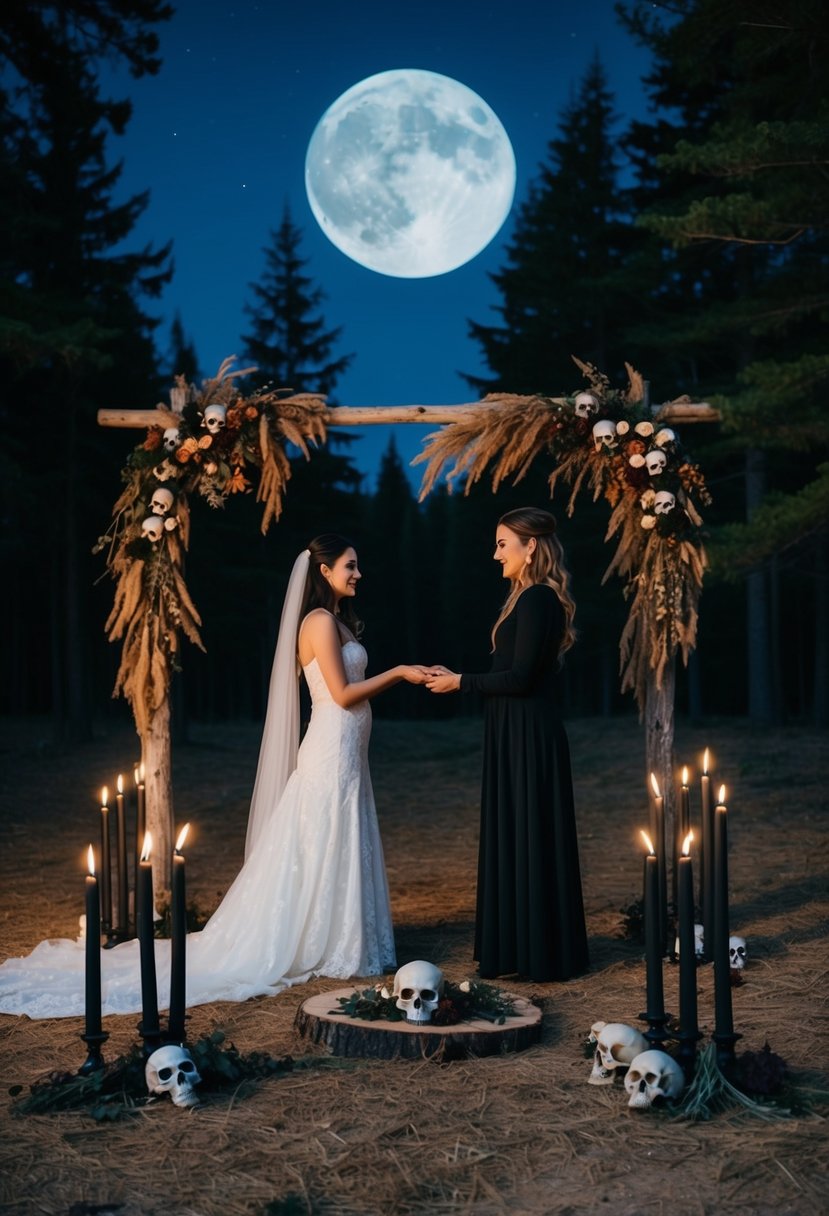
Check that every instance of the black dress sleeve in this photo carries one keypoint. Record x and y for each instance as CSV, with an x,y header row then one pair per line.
x,y
539,620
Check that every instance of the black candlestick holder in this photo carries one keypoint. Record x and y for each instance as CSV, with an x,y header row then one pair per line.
x,y
726,1056
94,1061
152,1038
687,1052
657,1032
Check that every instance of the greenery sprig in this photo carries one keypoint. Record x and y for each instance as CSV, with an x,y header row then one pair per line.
x,y
120,1089
458,1003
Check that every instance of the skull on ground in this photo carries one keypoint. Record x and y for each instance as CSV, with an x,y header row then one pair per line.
x,y
699,942
171,1070
616,1045
653,1074
737,952
418,986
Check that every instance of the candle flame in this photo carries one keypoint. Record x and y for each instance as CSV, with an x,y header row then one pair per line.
x,y
90,860
138,773
686,845
685,774
120,784
647,841
705,762
148,846
721,798
104,796
655,785
182,836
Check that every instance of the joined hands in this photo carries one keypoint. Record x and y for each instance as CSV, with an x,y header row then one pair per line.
x,y
436,677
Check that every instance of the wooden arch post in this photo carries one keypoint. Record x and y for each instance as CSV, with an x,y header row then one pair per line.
x,y
156,755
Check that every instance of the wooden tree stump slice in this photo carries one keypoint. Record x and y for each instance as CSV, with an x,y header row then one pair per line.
x,y
381,1040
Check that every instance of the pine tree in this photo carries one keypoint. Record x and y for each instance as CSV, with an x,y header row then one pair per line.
x,y
288,340
563,289
183,359
73,335
743,191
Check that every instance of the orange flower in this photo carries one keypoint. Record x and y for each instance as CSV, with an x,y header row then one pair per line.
x,y
205,441
237,483
153,439
251,412
233,419
186,450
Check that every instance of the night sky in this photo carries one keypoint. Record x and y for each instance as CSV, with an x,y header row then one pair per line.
x,y
219,138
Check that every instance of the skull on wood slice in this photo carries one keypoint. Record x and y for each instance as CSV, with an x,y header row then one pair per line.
x,y
418,986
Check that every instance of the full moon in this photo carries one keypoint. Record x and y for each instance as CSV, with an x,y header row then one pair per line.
x,y
410,173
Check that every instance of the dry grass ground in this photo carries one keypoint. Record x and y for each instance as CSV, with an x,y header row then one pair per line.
x,y
518,1134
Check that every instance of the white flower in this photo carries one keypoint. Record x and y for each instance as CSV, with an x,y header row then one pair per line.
x,y
465,986
636,460
647,499
170,523
384,992
648,522
644,428
622,427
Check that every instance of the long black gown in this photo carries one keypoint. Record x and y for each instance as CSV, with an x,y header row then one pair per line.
x,y
530,915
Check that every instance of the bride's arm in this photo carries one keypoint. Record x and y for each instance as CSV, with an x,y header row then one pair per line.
x,y
321,631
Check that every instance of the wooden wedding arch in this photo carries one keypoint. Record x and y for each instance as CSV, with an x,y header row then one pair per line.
x,y
608,441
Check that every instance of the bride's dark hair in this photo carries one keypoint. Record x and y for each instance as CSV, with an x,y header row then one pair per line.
x,y
324,551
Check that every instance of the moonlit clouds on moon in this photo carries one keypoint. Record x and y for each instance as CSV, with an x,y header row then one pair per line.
x,y
410,173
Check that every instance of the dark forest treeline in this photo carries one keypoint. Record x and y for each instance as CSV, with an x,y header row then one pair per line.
x,y
693,245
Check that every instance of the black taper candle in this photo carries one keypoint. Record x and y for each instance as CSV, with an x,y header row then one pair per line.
x,y
106,868
123,925
148,1027
178,945
93,952
654,1014
658,842
688,1027
140,819
706,900
724,1035
93,1034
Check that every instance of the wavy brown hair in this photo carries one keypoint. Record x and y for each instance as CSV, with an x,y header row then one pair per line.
x,y
546,567
324,551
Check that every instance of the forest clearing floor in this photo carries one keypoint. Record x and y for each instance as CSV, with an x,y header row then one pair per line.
x,y
521,1133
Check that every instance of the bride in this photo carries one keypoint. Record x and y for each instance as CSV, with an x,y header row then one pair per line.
x,y
311,898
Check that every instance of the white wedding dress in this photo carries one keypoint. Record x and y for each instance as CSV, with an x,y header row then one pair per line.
x,y
310,900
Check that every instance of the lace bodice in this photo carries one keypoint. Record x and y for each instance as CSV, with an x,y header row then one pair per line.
x,y
354,661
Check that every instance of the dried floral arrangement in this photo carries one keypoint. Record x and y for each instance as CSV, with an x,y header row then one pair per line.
x,y
217,437
605,440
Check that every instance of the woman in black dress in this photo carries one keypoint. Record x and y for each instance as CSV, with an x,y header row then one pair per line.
x,y
530,917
